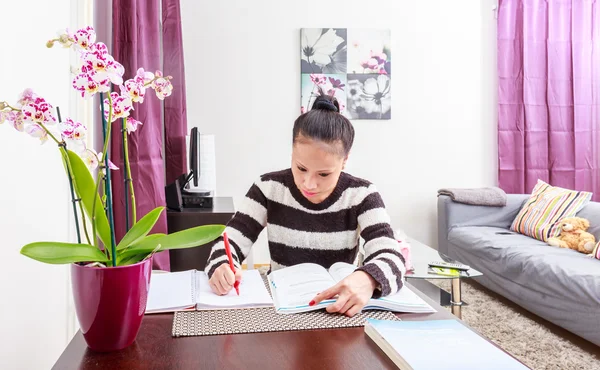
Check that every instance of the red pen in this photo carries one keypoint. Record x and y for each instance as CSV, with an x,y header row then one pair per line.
x,y
228,251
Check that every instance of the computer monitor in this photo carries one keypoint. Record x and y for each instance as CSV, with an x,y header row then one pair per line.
x,y
194,162
179,195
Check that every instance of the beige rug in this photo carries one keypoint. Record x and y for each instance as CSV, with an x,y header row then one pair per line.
x,y
533,341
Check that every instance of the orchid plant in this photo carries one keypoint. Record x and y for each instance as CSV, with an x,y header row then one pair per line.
x,y
98,74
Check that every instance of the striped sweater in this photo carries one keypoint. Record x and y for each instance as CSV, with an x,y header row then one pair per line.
x,y
300,231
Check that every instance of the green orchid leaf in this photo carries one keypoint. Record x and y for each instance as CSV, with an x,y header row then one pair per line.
x,y
188,238
141,228
63,253
132,260
86,189
148,238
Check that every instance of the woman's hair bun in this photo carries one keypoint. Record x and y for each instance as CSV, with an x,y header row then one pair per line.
x,y
326,105
326,102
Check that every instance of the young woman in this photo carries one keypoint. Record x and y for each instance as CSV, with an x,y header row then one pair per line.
x,y
316,213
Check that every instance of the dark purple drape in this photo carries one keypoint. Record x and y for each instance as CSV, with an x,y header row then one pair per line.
x,y
175,105
549,92
136,43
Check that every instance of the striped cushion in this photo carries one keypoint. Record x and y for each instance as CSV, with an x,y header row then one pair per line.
x,y
547,205
596,252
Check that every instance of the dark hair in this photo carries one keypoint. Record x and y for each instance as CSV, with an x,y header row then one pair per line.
x,y
324,123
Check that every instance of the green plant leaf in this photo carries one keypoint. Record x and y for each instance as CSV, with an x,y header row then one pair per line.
x,y
131,260
141,228
86,189
195,236
63,253
148,239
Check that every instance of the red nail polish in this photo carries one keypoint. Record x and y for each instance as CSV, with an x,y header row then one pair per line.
x,y
311,303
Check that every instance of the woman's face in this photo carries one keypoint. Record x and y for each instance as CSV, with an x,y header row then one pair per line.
x,y
316,167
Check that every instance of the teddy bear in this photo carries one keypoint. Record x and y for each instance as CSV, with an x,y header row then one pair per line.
x,y
573,235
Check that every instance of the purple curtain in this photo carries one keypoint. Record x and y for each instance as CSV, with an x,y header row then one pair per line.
x,y
548,94
136,43
175,105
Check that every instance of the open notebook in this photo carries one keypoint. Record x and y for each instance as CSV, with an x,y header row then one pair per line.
x,y
189,291
294,287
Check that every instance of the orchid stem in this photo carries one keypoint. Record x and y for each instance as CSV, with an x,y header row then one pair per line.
x,y
107,185
125,177
128,178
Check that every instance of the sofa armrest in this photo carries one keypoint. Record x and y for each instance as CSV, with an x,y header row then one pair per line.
x,y
452,214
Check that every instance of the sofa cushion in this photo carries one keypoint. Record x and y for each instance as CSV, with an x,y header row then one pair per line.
x,y
540,215
550,270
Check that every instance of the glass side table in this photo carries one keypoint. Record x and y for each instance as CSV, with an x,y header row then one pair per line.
x,y
421,255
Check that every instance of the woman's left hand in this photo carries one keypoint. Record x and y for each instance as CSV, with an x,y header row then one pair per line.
x,y
353,294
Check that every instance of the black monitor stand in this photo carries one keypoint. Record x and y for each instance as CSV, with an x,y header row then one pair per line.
x,y
178,198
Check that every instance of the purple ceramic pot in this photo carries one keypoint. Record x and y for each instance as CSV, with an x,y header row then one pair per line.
x,y
110,303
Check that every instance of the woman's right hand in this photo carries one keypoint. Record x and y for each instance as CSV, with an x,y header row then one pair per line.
x,y
223,279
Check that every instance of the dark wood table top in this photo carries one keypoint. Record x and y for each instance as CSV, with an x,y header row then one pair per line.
x,y
155,348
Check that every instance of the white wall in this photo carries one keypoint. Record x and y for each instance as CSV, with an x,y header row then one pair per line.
x,y
34,199
243,80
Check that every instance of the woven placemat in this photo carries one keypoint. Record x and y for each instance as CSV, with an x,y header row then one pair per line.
x,y
259,320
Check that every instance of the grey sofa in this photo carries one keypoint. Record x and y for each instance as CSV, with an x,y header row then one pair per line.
x,y
560,285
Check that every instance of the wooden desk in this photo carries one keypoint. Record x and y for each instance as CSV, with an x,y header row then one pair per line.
x,y
195,258
347,348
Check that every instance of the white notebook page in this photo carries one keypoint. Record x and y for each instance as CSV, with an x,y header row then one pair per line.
x,y
297,285
170,291
253,293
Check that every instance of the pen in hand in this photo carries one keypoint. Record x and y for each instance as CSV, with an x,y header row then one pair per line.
x,y
228,251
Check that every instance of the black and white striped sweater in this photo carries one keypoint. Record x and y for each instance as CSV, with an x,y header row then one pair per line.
x,y
300,231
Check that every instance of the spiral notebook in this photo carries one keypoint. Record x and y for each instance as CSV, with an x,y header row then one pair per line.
x,y
190,291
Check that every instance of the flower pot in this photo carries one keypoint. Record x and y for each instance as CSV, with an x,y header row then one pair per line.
x,y
110,303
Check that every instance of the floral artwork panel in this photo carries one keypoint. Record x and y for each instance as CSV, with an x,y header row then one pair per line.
x,y
369,96
323,50
369,51
331,84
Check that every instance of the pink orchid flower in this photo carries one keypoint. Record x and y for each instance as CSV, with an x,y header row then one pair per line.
x,y
66,38
132,124
92,159
72,130
162,86
121,106
16,119
110,164
143,76
37,131
3,116
26,97
89,84
39,112
98,60
135,89
85,37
